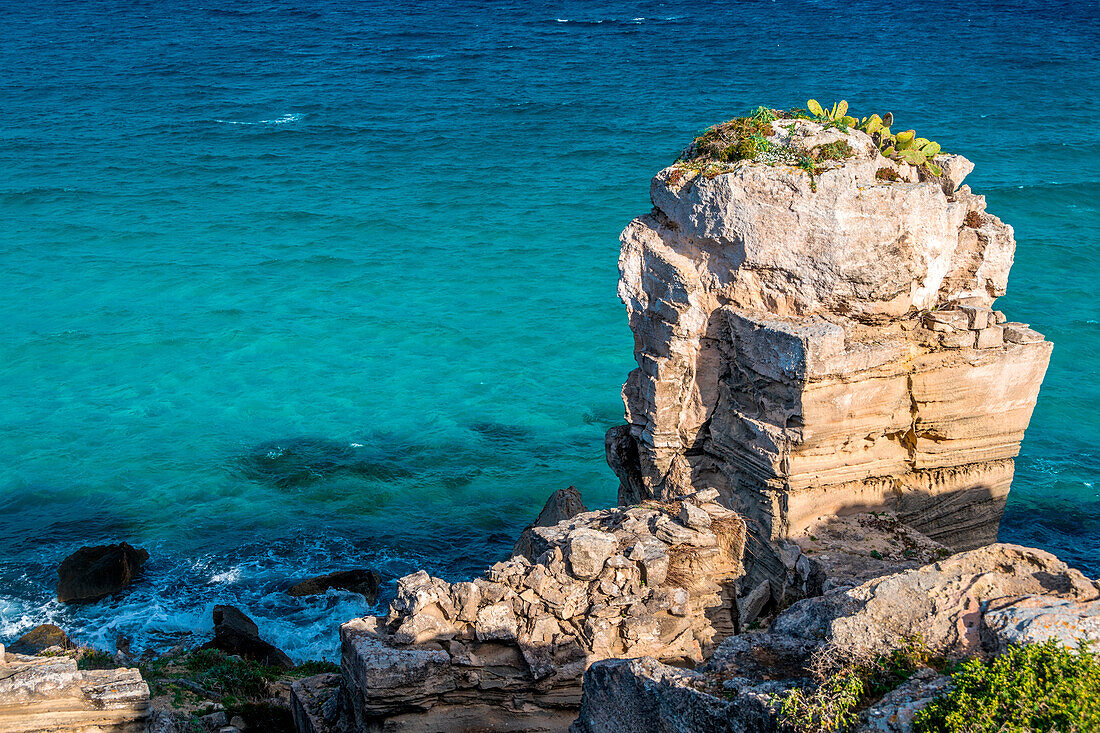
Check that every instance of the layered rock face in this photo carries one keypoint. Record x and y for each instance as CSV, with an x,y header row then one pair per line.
x,y
47,694
817,347
507,651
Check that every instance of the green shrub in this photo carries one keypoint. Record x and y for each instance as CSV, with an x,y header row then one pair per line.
x,y
231,677
829,707
1045,688
842,690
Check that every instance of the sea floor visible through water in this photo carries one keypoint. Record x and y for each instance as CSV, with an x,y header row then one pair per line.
x,y
292,289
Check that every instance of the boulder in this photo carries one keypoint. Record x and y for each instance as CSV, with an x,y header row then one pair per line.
x,y
363,582
235,633
91,573
563,504
39,639
644,695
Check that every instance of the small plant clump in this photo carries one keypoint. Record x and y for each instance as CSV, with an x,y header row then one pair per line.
x,y
742,138
1039,687
887,174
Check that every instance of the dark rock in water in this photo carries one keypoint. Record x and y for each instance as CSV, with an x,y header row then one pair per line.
x,y
91,573
363,582
236,633
296,462
39,639
562,504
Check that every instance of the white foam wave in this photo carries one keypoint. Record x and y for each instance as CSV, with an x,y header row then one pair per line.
x,y
284,120
173,602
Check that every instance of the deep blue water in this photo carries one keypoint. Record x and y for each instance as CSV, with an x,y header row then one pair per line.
x,y
286,289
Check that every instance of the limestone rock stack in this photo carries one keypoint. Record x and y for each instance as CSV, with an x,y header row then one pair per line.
x,y
816,346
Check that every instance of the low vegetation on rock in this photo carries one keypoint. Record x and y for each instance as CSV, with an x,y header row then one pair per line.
x,y
753,138
1037,687
195,683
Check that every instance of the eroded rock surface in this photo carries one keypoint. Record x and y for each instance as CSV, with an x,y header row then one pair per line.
x,y
49,694
511,646
826,347
563,504
943,603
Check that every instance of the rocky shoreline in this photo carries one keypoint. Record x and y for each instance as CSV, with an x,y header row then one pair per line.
x,y
819,445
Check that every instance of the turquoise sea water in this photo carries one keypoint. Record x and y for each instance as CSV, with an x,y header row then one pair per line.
x,y
288,289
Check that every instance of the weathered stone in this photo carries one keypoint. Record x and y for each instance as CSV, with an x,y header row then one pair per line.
x,y
694,517
894,713
51,694
652,555
422,627
363,582
955,169
941,602
842,552
990,338
379,679
467,598
779,358
1019,333
749,607
977,317
497,623
1031,619
645,695
587,551
91,573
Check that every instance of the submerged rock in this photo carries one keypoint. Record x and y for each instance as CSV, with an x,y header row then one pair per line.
x,y
92,573
363,582
39,639
297,462
236,633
